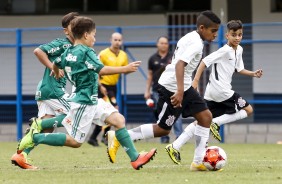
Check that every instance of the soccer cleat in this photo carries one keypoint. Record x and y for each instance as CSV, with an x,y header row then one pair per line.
x,y
113,145
35,123
27,141
173,154
198,167
214,128
21,161
143,159
93,142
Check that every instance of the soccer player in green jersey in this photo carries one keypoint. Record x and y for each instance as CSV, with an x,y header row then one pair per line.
x,y
50,94
82,68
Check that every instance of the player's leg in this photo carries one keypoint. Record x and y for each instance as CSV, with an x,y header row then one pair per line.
x,y
93,138
177,127
166,114
202,130
121,134
194,104
174,148
110,116
235,108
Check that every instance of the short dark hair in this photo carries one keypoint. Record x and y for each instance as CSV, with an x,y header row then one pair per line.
x,y
81,25
234,25
68,18
207,18
162,37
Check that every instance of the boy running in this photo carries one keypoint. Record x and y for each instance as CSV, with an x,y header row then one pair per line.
x,y
225,104
177,96
82,68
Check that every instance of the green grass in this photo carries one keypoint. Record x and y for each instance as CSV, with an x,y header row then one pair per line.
x,y
247,163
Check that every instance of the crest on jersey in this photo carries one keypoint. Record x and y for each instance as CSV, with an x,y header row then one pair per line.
x,y
241,102
170,120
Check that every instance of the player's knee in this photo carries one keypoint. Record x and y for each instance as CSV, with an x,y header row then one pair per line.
x,y
249,109
159,131
71,142
116,119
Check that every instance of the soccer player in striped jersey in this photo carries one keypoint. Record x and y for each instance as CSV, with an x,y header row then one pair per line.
x,y
225,104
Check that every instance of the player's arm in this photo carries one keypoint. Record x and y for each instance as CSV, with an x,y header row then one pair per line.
x,y
43,58
109,70
147,94
177,98
257,73
198,74
56,71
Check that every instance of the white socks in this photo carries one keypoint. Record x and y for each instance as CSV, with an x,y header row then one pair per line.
x,y
202,137
227,118
184,137
142,132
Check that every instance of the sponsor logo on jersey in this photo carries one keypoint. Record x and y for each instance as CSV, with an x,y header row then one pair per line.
x,y
51,51
170,120
66,46
89,65
71,57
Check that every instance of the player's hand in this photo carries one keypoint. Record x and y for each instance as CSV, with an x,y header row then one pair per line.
x,y
147,95
60,74
133,67
258,73
176,99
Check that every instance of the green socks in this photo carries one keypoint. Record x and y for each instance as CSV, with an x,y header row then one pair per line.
x,y
126,142
53,139
52,122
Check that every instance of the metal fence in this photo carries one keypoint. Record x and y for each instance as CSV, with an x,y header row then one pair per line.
x,y
20,71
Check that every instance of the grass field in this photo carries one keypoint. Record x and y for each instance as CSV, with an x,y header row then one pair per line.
x,y
247,163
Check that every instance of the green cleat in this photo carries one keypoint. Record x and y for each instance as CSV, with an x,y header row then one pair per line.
x,y
173,154
215,131
35,123
27,140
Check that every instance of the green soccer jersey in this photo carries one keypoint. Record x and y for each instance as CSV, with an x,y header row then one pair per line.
x,y
82,68
49,87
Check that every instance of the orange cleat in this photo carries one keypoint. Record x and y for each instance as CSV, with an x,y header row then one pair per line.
x,y
21,161
143,159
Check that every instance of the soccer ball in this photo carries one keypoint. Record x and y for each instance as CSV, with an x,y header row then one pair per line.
x,y
215,158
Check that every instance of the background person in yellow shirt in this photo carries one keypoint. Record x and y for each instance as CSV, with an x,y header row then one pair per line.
x,y
111,56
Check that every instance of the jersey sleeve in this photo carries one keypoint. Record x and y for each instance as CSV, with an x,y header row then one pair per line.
x,y
53,48
150,63
58,62
240,64
190,52
215,57
93,61
125,60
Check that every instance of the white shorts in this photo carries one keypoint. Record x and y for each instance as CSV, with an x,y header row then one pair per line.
x,y
52,107
80,117
104,110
